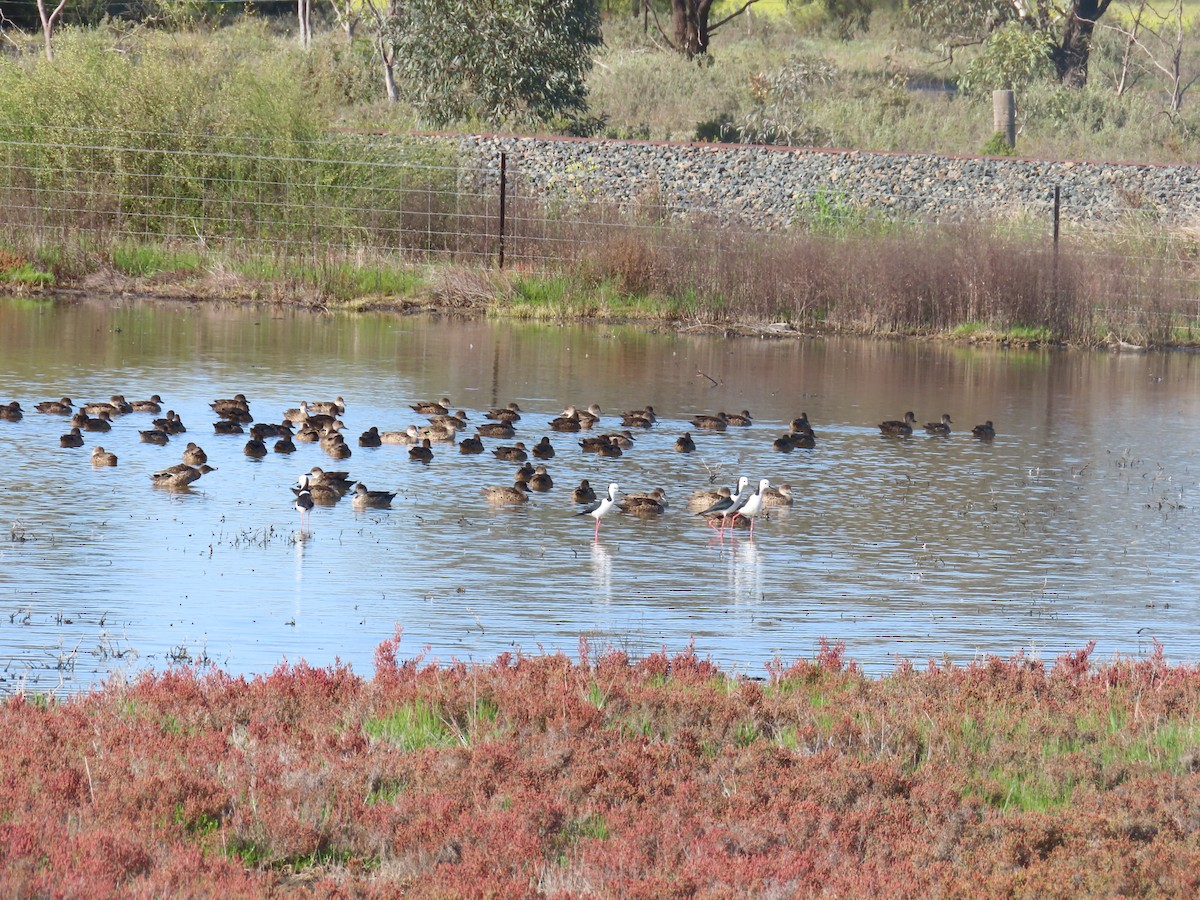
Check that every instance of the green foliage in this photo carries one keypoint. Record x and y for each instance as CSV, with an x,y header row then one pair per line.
x,y
997,145
943,20
509,62
1013,58
413,726
779,115
27,274
829,212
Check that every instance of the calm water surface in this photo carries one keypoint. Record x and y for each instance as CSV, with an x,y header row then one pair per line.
x,y
1076,523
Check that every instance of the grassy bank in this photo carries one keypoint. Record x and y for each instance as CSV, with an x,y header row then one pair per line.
x,y
663,777
964,283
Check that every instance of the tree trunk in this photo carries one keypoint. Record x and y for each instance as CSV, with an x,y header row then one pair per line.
x,y
48,21
388,55
304,18
1071,56
690,19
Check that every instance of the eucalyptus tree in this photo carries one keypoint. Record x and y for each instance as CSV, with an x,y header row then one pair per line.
x,y
1069,27
521,62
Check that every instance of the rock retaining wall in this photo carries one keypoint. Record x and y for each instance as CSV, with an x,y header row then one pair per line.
x,y
772,187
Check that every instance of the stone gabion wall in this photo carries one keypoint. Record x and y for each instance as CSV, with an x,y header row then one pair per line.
x,y
772,187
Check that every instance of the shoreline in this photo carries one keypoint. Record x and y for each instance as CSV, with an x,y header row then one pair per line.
x,y
173,288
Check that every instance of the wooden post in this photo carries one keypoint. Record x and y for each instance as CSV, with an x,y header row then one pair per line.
x,y
503,199
1004,115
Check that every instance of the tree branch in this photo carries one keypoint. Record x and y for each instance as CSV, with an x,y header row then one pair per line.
x,y
745,6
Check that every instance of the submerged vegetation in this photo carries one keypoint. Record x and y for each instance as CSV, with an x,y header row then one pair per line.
x,y
663,777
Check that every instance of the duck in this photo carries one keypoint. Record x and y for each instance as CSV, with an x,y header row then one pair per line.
x,y
803,440
255,448
338,480
364,499
525,472
775,497
504,495
639,418
370,438
153,405
588,417
595,443
585,493
653,503
740,420
515,453
704,499
227,426
11,412
685,443
623,439
302,416
423,452
473,444
568,421
63,407
985,432
306,434
100,422
458,420
235,403
80,419
543,449
541,480
270,429
409,435
611,449
176,478
497,429
194,455
238,415
102,457
154,436
328,407
893,426
939,428
719,422
170,423
800,425
322,494
285,444
785,443
509,413
432,407
113,406
445,433
337,447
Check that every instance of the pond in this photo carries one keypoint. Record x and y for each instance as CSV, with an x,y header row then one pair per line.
x,y
1075,523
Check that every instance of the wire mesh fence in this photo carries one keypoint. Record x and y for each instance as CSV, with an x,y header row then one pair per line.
x,y
352,196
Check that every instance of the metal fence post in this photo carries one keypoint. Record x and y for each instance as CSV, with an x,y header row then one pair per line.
x,y
503,204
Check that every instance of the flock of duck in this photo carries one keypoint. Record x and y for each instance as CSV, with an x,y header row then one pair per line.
x,y
320,423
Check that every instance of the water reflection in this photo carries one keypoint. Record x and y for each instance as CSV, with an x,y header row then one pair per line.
x,y
1074,523
602,572
745,571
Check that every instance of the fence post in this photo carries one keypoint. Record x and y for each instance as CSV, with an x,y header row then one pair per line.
x,y
1057,213
503,203
1004,116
